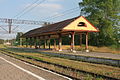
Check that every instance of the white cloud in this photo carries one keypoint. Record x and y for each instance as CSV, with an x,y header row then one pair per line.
x,y
45,9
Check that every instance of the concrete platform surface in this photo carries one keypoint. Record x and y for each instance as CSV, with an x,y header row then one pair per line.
x,y
12,69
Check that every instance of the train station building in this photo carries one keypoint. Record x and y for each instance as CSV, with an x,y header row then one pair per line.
x,y
78,25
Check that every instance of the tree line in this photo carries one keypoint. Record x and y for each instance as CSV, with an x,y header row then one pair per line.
x,y
105,15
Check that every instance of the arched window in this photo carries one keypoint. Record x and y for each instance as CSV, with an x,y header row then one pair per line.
x,y
82,24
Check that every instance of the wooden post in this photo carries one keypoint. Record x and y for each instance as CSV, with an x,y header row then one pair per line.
x,y
54,44
26,42
72,41
30,42
39,42
49,41
35,42
80,39
60,42
20,41
44,43
87,42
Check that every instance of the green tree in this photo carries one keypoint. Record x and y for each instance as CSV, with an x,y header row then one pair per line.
x,y
104,14
18,38
1,41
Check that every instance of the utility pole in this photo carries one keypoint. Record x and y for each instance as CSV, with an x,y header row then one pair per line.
x,y
9,24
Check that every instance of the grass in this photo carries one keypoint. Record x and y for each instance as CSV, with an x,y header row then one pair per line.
x,y
104,49
89,67
94,49
2,46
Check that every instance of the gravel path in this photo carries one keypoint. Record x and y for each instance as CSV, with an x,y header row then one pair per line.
x,y
104,55
92,54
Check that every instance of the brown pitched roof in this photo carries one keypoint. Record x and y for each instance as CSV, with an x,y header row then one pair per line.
x,y
49,28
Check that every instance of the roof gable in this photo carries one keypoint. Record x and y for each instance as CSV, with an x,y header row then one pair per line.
x,y
81,24
75,24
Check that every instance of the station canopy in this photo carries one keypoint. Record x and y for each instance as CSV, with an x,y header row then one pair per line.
x,y
77,24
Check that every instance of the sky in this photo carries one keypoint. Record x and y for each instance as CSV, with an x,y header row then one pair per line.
x,y
42,10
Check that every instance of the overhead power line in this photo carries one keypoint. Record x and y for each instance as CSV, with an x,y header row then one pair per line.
x,y
3,28
16,21
66,12
26,8
31,8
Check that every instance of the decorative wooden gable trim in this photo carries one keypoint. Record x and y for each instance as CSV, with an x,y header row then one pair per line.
x,y
80,24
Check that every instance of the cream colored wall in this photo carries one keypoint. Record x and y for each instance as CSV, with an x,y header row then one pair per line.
x,y
73,25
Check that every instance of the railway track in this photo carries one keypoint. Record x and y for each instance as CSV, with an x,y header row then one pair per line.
x,y
12,54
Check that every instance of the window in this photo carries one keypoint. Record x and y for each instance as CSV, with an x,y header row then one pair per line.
x,y
82,24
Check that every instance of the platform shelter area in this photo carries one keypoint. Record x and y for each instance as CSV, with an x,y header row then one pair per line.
x,y
78,25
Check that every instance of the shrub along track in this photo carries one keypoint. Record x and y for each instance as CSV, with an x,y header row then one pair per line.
x,y
61,69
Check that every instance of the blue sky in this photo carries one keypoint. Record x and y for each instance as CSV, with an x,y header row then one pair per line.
x,y
49,10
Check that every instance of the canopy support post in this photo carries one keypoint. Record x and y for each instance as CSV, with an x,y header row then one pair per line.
x,y
30,42
54,44
73,42
87,42
44,43
26,42
60,42
39,43
49,41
